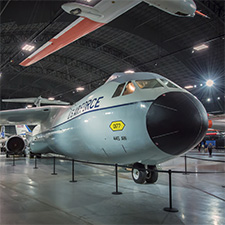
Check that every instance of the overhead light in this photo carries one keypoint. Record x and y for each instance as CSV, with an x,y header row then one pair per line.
x,y
209,83
200,47
28,48
129,71
201,85
208,99
218,98
80,89
189,87
51,98
29,106
195,86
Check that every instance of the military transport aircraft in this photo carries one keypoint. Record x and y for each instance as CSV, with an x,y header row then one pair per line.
x,y
141,119
99,13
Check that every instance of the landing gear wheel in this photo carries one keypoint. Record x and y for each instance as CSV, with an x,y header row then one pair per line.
x,y
139,173
152,176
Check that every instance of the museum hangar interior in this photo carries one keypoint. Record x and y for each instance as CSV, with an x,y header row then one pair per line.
x,y
143,39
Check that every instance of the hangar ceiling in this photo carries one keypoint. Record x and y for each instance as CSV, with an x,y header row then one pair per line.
x,y
142,39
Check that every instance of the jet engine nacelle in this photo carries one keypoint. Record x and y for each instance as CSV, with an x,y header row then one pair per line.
x,y
185,8
82,10
15,144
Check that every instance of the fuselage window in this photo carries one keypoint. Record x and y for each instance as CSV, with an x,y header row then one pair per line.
x,y
118,90
130,88
169,84
143,84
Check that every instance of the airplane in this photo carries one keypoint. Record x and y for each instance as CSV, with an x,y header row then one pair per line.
x,y
17,140
217,122
140,119
37,101
99,13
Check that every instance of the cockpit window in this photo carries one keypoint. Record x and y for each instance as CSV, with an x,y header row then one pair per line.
x,y
130,88
143,84
118,90
169,84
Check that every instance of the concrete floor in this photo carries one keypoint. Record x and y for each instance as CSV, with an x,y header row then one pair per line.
x,y
34,196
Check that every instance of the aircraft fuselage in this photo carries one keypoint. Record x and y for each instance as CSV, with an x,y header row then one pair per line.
x,y
124,122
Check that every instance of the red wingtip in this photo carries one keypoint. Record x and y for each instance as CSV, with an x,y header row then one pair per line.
x,y
201,14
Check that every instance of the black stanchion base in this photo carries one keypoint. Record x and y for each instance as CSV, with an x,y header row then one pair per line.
x,y
167,209
54,173
35,168
117,193
223,186
73,181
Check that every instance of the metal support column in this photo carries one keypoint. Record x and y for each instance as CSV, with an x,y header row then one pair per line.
x,y
185,164
13,160
116,192
35,162
54,173
170,209
73,172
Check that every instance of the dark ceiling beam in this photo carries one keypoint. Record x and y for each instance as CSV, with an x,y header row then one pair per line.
x,y
66,61
92,44
42,74
181,53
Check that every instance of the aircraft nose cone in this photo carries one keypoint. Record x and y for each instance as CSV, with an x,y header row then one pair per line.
x,y
176,122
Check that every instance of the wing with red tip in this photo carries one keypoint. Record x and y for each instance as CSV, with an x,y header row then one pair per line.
x,y
71,33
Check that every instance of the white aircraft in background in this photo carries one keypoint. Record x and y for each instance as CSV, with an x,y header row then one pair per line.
x,y
104,11
15,141
141,119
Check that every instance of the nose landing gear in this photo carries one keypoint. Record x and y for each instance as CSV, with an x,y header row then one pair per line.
x,y
141,175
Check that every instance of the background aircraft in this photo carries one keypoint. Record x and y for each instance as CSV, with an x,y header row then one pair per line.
x,y
103,12
15,141
141,119
217,122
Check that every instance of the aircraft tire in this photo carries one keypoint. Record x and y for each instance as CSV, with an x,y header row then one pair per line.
x,y
152,176
139,173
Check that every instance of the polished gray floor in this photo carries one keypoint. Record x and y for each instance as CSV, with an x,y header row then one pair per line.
x,y
34,196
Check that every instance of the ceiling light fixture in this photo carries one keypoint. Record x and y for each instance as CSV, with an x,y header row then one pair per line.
x,y
28,48
209,83
51,98
80,89
200,47
189,87
208,99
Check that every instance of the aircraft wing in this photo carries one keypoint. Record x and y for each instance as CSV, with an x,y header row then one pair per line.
x,y
71,33
31,116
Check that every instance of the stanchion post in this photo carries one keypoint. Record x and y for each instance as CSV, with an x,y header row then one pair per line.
x,y
170,209
35,162
13,160
185,165
54,173
73,172
116,171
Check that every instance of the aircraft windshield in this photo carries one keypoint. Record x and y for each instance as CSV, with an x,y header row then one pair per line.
x,y
144,84
130,88
169,84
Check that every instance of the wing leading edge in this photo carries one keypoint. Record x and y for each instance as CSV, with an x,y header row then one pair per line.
x,y
71,33
31,116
